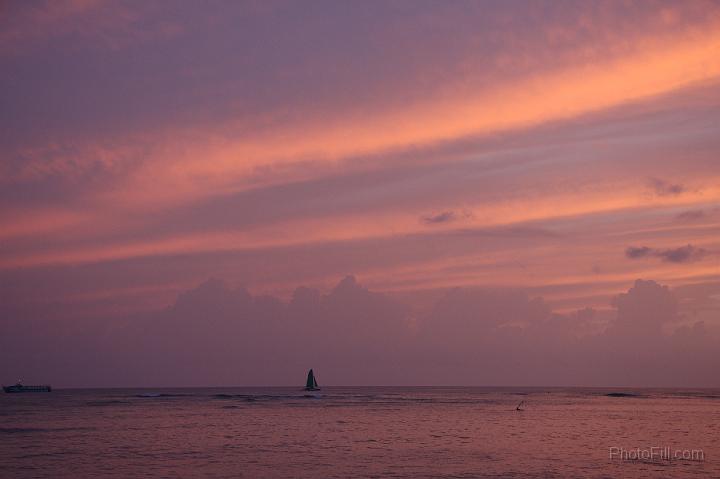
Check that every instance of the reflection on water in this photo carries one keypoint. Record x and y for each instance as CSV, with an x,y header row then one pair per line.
x,y
356,432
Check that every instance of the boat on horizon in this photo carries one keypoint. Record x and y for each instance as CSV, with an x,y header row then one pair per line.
x,y
311,384
19,387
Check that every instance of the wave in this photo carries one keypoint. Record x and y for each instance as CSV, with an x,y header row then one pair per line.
x,y
109,402
258,397
160,395
27,430
353,399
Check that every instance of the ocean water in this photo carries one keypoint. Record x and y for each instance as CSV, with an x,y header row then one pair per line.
x,y
359,432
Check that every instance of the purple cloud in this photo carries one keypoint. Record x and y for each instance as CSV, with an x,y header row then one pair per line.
x,y
444,217
217,334
664,188
635,252
682,254
690,215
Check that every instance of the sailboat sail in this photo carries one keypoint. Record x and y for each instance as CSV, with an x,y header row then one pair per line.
x,y
311,384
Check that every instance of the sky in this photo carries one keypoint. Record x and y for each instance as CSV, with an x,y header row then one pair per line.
x,y
399,192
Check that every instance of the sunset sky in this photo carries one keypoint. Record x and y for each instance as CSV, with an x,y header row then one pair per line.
x,y
558,151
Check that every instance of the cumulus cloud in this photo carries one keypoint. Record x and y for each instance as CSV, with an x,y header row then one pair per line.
x,y
682,254
645,308
665,188
215,334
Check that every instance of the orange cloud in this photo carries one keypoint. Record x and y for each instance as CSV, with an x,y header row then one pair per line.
x,y
353,227
183,164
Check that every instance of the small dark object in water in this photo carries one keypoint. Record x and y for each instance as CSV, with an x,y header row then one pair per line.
x,y
21,388
621,395
519,406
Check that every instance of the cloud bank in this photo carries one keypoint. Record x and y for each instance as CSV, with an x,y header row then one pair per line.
x,y
217,335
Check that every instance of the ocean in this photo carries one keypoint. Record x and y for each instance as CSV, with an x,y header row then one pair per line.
x,y
347,432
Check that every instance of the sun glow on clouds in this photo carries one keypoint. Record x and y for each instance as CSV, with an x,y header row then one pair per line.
x,y
189,166
127,194
347,227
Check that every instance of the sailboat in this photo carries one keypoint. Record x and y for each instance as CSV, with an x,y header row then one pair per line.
x,y
311,384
